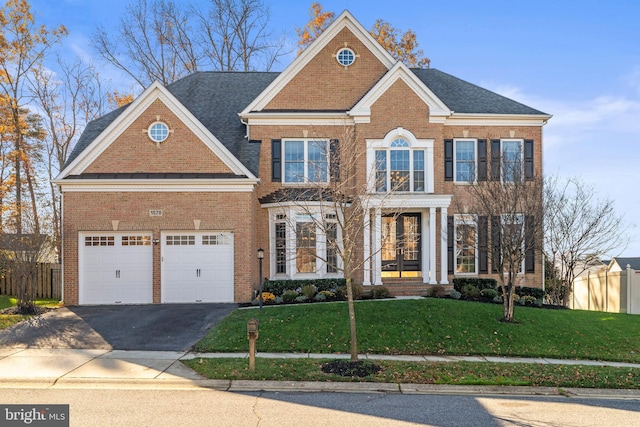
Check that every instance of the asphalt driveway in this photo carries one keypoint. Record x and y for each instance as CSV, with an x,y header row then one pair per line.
x,y
154,327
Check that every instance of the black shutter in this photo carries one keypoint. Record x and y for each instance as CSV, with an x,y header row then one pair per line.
x,y
495,244
334,160
483,240
528,159
448,159
482,160
276,160
530,254
495,159
450,244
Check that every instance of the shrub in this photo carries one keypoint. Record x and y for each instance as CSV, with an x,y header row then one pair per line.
x,y
489,294
460,282
437,291
470,292
536,293
379,292
319,297
497,299
301,298
268,297
309,290
328,295
278,287
355,287
455,294
289,296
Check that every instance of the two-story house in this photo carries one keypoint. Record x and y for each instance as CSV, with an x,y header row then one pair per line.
x,y
167,199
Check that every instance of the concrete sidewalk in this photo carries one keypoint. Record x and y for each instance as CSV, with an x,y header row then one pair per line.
x,y
163,369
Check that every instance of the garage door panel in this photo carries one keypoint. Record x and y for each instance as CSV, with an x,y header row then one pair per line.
x,y
197,267
116,268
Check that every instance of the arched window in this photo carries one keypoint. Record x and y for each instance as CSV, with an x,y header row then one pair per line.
x,y
400,167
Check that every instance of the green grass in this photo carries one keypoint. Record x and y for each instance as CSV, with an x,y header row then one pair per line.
x,y
461,373
432,327
7,320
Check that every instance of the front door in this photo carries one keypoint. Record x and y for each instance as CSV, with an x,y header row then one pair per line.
x,y
401,252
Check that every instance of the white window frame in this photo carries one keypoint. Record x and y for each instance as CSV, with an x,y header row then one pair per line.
x,y
305,179
475,160
469,220
295,215
415,144
520,142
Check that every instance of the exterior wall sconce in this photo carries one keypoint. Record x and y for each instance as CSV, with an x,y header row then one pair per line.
x,y
155,241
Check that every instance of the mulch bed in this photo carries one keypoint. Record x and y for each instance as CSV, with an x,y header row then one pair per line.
x,y
350,368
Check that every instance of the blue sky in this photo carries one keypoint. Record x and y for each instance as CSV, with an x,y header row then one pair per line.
x,y
579,61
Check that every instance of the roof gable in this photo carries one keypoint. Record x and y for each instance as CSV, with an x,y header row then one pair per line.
x,y
622,263
344,21
362,110
102,133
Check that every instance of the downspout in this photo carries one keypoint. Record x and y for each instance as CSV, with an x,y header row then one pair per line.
x,y
628,289
62,257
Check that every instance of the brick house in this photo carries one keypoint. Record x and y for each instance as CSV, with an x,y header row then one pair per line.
x,y
167,199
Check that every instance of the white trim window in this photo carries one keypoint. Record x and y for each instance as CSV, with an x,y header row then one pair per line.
x,y
465,163
512,234
305,160
304,245
400,162
466,245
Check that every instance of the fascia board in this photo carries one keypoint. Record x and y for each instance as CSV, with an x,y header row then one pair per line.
x,y
474,119
400,72
345,20
157,185
298,118
154,92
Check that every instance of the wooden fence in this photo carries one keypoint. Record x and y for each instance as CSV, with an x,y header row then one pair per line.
x,y
48,282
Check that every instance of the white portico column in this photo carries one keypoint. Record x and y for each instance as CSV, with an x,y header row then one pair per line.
x,y
377,247
367,247
443,247
432,246
425,243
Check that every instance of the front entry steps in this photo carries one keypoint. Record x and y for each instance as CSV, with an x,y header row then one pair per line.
x,y
412,286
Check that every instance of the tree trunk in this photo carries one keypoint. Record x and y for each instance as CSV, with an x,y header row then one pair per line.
x,y
508,302
352,321
34,202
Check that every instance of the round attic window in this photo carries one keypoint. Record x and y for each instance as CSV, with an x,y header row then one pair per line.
x,y
158,131
346,57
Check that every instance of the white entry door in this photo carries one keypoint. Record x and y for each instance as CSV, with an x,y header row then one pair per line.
x,y
197,267
115,268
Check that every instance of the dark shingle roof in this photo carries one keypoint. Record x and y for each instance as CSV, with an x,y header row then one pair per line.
x,y
463,97
216,98
633,262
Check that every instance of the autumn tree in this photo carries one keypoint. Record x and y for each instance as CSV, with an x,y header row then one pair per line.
x,y
165,40
23,45
505,201
402,46
579,228
318,22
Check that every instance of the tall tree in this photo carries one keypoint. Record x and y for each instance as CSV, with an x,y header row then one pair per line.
x,y
318,22
579,228
165,40
506,203
402,46
23,44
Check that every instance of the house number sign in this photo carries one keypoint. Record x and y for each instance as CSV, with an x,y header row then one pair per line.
x,y
155,212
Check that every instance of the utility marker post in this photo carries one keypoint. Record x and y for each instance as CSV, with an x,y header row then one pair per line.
x,y
252,335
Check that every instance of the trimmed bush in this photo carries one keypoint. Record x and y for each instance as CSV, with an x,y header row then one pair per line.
x,y
289,296
355,287
489,294
301,298
379,292
470,292
320,297
480,283
536,293
437,291
278,287
455,294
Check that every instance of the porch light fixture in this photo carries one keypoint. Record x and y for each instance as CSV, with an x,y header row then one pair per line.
x,y
260,258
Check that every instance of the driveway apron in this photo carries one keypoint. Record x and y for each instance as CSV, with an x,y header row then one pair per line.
x,y
167,327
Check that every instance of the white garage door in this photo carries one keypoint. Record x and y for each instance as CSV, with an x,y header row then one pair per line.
x,y
197,267
116,268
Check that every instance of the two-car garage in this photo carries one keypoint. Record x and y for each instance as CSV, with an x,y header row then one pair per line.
x,y
117,268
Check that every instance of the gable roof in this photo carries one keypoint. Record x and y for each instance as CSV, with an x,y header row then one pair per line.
x,y
214,99
623,262
463,97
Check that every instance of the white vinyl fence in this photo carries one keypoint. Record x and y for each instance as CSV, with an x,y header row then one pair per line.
x,y
615,292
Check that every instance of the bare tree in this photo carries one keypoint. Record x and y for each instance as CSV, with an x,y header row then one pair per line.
x,y
165,41
579,228
507,204
335,205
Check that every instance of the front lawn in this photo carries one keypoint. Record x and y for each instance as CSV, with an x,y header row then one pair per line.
x,y
432,326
